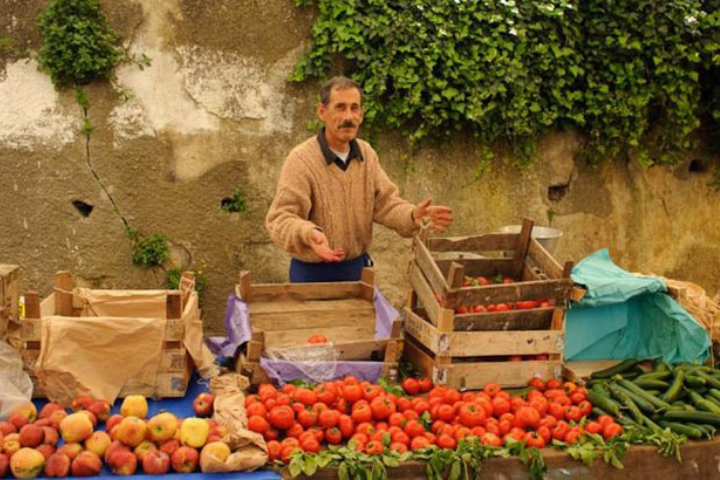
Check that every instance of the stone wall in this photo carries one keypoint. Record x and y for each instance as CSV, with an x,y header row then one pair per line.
x,y
214,112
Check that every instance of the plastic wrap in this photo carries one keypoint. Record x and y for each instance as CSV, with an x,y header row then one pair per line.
x,y
15,385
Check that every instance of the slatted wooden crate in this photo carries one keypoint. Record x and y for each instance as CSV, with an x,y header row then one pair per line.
x,y
9,295
468,350
175,366
287,314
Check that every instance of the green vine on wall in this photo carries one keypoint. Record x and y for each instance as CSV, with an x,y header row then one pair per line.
x,y
633,74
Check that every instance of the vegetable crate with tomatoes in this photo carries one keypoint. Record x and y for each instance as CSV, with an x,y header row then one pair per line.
x,y
175,367
477,315
293,315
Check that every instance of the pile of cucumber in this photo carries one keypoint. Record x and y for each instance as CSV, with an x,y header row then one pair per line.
x,y
654,395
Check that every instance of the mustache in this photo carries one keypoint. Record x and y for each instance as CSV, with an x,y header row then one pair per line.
x,y
347,123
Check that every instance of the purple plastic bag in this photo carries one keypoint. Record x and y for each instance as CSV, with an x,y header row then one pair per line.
x,y
237,328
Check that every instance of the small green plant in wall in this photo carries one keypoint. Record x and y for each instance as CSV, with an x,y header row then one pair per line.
x,y
149,250
237,203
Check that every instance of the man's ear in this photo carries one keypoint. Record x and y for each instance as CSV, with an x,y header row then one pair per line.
x,y
320,110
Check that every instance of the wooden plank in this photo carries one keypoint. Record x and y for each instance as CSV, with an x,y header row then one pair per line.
x,y
424,293
367,283
284,305
532,319
174,305
282,338
32,305
519,342
487,242
244,288
515,292
420,360
429,269
426,333
267,292
543,260
455,278
362,349
318,319
63,293
10,289
475,375
521,248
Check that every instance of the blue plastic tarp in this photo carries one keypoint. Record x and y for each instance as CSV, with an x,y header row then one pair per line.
x,y
628,316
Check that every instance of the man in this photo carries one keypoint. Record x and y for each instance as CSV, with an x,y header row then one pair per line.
x,y
331,190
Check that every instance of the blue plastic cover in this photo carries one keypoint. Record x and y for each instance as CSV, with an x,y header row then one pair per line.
x,y
628,316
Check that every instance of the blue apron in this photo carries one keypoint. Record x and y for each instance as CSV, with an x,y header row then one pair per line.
x,y
346,271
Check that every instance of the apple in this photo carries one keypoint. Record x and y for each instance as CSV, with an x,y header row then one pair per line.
x,y
43,422
6,428
56,417
156,462
91,416
51,435
115,445
170,446
134,406
58,465
86,464
101,410
28,410
122,462
162,427
143,449
11,444
219,451
31,435
98,442
72,450
131,431
46,450
114,420
194,432
48,409
203,404
27,463
4,464
184,459
18,420
81,402
76,427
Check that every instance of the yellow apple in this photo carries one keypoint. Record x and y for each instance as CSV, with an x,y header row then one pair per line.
x,y
134,406
194,432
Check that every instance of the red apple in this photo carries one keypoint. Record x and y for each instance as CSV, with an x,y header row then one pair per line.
x,y
162,427
57,417
115,445
46,450
31,435
48,409
203,404
98,442
18,420
156,463
4,464
82,402
143,449
72,450
122,462
184,459
101,410
58,465
6,428
51,435
86,464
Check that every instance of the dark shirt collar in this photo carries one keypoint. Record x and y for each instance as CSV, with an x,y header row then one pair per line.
x,y
331,157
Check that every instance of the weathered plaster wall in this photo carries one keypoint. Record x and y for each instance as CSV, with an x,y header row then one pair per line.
x,y
214,111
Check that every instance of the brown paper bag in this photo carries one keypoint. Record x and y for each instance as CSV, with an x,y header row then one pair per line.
x,y
249,448
122,303
97,355
202,357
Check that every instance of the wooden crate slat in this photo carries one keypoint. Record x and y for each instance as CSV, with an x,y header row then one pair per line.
x,y
30,329
10,289
280,338
361,349
475,243
507,374
543,260
424,293
319,321
268,292
429,268
425,332
513,292
518,342
531,319
474,267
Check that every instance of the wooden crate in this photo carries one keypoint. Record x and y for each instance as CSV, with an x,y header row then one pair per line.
x,y
175,366
286,315
9,295
468,350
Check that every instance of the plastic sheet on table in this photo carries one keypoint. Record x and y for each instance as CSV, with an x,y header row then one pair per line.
x,y
316,361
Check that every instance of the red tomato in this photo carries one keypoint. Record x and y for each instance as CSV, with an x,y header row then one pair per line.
x,y
333,436
611,430
411,386
447,442
281,417
471,415
319,339
346,425
560,430
527,417
537,383
534,439
491,439
361,413
382,407
605,420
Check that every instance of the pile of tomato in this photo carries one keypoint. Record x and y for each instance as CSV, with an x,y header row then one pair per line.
x,y
337,412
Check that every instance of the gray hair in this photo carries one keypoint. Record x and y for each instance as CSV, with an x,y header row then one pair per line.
x,y
339,82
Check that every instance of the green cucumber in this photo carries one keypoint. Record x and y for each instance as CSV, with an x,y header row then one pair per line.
x,y
663,375
651,384
687,430
621,367
693,417
601,400
625,399
709,379
643,394
675,387
643,404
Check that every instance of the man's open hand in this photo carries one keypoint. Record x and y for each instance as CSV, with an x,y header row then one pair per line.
x,y
438,216
320,245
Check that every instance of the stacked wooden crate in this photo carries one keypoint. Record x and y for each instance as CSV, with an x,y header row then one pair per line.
x,y
286,315
9,295
468,350
175,366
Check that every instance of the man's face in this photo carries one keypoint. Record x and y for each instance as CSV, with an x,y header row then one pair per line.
x,y
342,116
